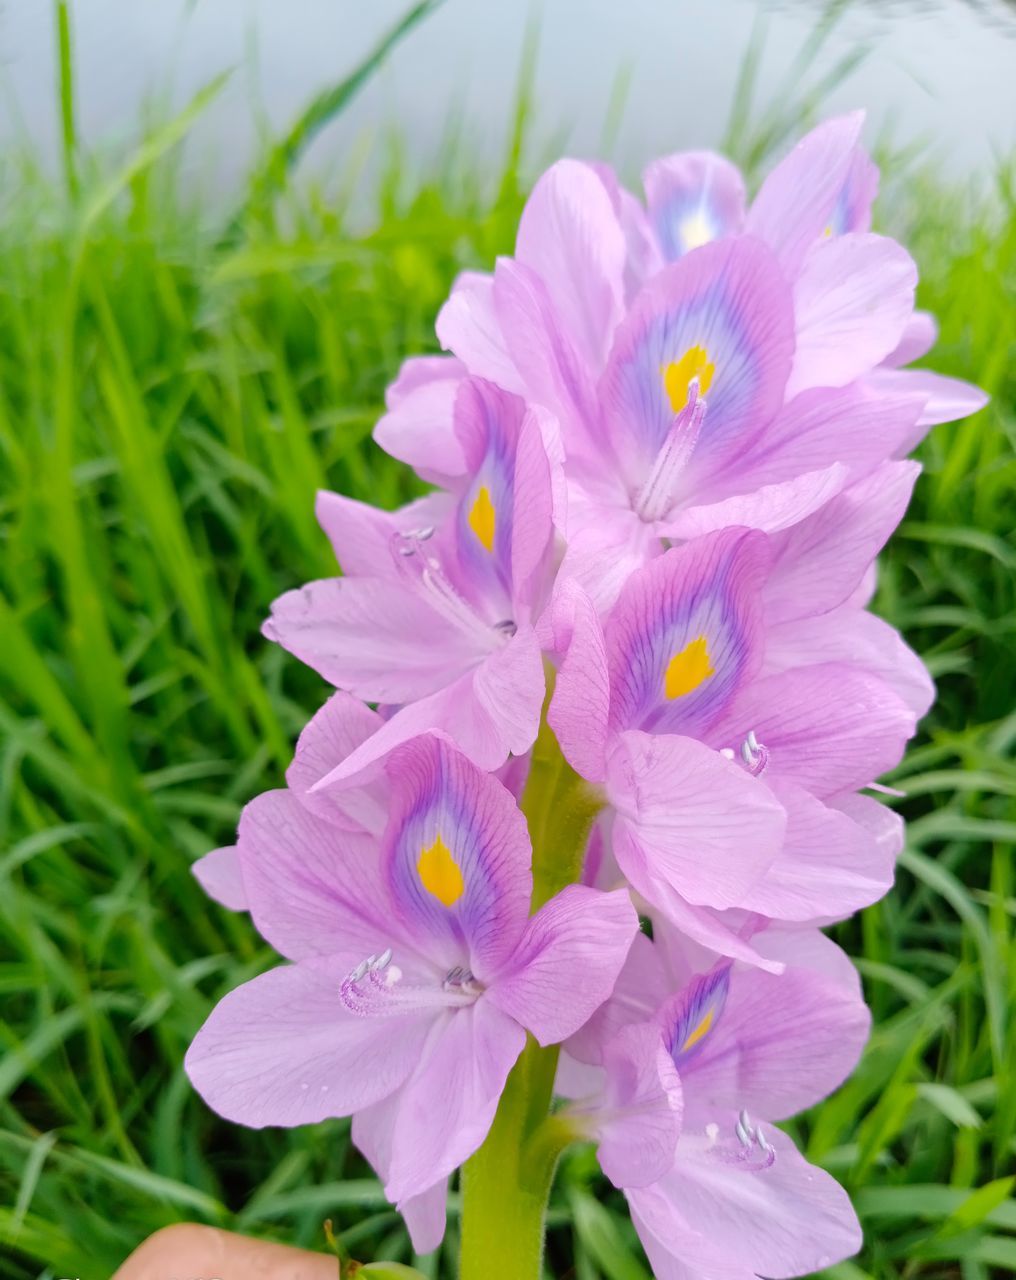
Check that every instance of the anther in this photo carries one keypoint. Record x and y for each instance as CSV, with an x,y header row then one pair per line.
x,y
755,754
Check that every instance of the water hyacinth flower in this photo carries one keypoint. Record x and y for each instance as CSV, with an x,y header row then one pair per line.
x,y
618,662
734,1048
824,189
720,781
415,973
729,385
434,612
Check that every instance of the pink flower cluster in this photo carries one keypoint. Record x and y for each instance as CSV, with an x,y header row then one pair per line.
x,y
666,447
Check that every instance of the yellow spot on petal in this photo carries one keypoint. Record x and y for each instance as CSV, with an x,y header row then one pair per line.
x,y
827,233
693,1037
440,873
677,376
483,517
688,669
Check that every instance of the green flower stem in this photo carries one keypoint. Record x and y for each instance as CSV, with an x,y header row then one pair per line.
x,y
560,808
504,1193
506,1184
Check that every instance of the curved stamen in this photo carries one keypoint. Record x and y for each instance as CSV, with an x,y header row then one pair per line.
x,y
426,576
657,494
374,989
755,755
753,1151
752,1139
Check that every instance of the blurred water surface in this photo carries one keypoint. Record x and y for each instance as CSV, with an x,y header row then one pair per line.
x,y
938,72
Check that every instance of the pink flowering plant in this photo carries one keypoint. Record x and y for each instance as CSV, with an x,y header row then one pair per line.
x,y
551,865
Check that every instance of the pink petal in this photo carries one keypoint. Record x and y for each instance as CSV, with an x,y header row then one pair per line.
x,y
640,1121
771,508
438,794
797,200
605,549
819,562
788,1220
707,594
333,733
567,962
361,535
641,987
945,399
727,299
693,197
283,1050
468,324
532,516
421,371
417,429
824,426
919,335
570,236
219,875
828,868
578,710
376,638
312,888
424,1214
554,373
702,823
444,1111
853,636
701,924
807,948
882,823
852,302
489,713
425,1217
828,727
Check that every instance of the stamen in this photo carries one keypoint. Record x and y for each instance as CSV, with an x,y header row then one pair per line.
x,y
751,1136
461,980
755,755
374,989
657,494
753,1153
425,574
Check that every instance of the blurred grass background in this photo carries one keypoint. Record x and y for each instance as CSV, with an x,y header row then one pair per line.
x,y
175,382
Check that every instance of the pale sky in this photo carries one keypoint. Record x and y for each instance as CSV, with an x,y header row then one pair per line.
x,y
937,71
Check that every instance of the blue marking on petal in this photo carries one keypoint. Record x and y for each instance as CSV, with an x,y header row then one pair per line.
x,y
696,1016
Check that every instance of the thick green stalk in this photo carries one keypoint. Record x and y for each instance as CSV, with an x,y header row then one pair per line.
x,y
504,1190
560,808
506,1184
